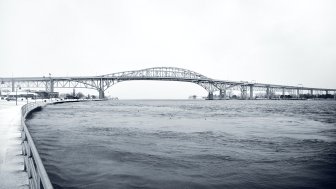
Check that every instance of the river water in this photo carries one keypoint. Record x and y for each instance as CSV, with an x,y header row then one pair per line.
x,y
188,144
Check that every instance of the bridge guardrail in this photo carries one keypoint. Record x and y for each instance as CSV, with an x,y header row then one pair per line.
x,y
38,177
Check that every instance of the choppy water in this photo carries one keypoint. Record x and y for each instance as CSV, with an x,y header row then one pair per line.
x,y
188,144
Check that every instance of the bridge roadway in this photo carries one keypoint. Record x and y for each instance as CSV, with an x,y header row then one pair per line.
x,y
103,82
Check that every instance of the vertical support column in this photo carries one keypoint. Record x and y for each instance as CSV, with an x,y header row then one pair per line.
x,y
51,85
101,89
298,92
267,92
210,96
222,93
13,86
46,85
312,92
283,93
251,92
101,94
243,92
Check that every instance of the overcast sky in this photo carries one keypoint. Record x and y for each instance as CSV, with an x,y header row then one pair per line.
x,y
280,42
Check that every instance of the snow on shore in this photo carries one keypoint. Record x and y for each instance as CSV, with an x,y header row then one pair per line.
x,y
11,159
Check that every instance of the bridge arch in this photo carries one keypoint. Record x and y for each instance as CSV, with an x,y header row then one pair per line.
x,y
157,74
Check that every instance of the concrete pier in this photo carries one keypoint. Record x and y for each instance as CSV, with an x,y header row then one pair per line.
x,y
251,92
222,94
52,85
210,96
101,94
12,174
268,96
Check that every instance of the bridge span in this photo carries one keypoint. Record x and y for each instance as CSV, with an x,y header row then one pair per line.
x,y
102,82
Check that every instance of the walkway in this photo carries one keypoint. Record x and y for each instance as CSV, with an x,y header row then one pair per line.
x,y
12,175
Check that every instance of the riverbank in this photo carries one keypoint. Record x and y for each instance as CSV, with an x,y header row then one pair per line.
x,y
12,172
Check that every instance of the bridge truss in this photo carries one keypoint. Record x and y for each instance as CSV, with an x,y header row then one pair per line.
x,y
103,82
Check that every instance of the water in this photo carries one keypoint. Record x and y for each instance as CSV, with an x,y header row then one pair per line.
x,y
188,144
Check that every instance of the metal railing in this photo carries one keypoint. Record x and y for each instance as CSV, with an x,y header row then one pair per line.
x,y
38,177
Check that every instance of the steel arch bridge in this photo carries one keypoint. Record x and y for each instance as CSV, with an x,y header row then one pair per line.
x,y
103,82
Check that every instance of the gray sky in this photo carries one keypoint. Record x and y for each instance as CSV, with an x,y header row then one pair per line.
x,y
281,42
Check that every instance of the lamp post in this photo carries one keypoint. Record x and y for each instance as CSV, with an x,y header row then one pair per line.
x,y
51,88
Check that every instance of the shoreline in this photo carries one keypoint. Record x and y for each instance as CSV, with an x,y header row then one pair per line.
x,y
33,165
13,150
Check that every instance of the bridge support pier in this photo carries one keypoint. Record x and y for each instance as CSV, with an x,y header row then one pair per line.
x,y
101,94
222,94
51,85
251,92
243,92
210,96
268,93
298,93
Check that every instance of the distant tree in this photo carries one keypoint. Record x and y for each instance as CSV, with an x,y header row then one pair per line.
x,y
93,96
69,96
80,95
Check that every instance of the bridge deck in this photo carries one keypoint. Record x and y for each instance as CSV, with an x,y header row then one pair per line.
x,y
103,82
11,159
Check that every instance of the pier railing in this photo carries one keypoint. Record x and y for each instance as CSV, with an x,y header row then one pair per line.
x,y
38,177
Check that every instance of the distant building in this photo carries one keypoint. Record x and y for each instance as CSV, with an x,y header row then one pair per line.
x,y
31,94
20,94
46,94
